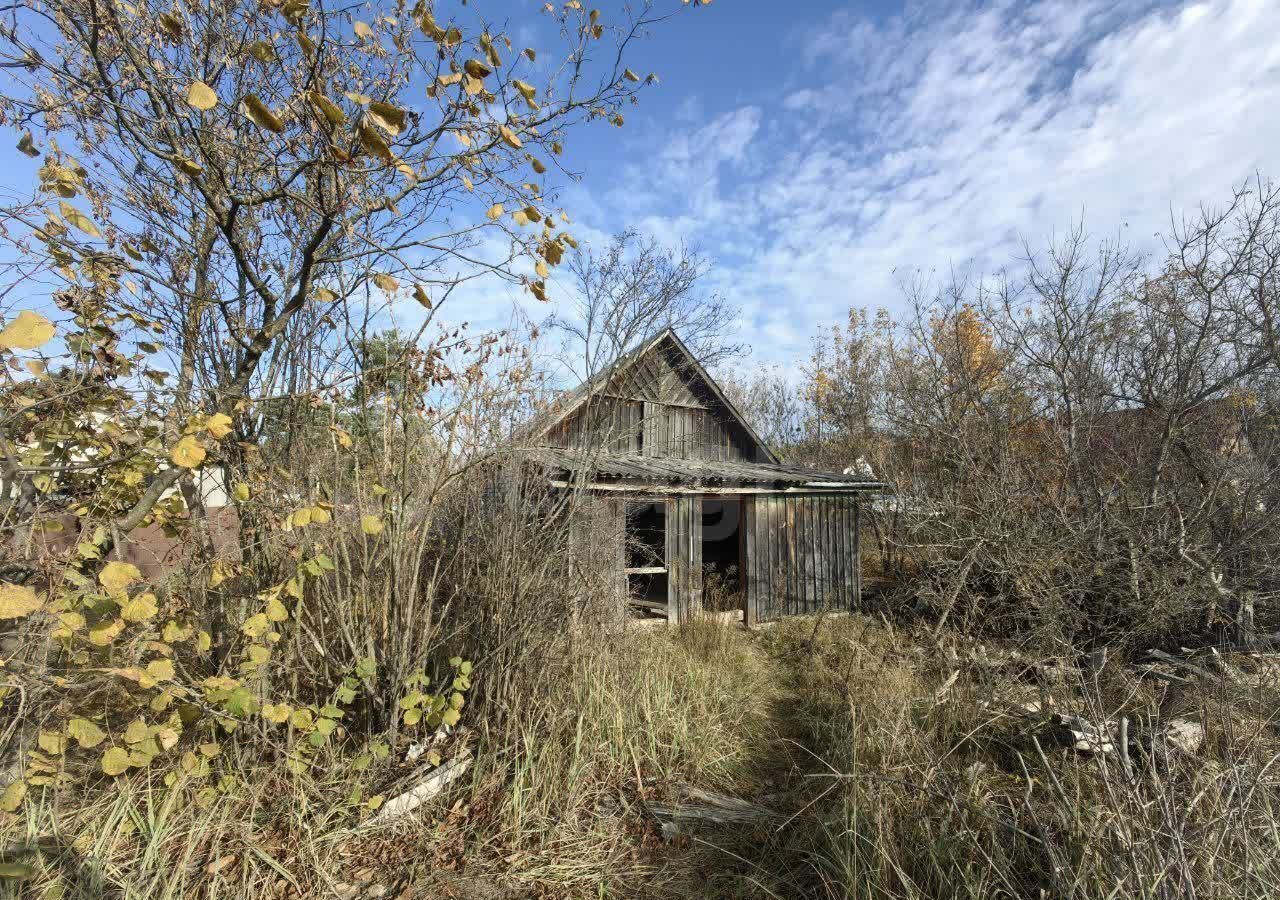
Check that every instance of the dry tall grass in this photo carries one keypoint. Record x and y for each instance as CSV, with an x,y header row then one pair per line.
x,y
891,767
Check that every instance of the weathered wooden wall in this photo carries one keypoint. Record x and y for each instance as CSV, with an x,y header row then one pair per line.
x,y
802,555
598,533
684,557
656,407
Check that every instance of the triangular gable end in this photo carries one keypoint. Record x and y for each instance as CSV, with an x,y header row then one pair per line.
x,y
662,370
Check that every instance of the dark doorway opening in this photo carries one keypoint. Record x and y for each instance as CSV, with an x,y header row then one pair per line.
x,y
647,556
722,563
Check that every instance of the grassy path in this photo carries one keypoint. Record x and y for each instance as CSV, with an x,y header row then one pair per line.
x,y
773,770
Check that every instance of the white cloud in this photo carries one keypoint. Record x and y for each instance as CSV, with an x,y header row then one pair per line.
x,y
935,141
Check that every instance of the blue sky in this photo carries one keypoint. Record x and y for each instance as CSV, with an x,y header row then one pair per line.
x,y
819,151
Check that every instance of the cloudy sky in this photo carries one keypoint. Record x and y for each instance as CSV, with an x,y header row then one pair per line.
x,y
819,151
823,151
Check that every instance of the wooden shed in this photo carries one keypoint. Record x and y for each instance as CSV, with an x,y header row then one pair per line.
x,y
685,497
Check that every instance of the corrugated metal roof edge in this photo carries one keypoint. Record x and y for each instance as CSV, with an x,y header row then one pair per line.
x,y
628,467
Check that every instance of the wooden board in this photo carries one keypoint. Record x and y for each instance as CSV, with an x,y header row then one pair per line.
x,y
801,555
684,557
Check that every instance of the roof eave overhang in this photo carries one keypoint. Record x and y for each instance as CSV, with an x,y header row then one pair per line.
x,y
623,485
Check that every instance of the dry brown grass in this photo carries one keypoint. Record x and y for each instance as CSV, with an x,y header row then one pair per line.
x,y
894,770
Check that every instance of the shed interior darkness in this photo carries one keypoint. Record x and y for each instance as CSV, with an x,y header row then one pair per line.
x,y
646,549
722,564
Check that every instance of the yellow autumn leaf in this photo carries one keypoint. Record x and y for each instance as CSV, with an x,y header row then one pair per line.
x,y
161,669
52,742
373,143
115,761
495,211
330,110
12,796
17,601
302,517
320,516
188,452
476,69
277,713
116,576
362,30
371,525
201,96
136,732
86,733
26,332
256,625
78,219
140,608
241,492
260,114
420,294
387,117
218,425
276,611
509,137
104,633
630,76
386,282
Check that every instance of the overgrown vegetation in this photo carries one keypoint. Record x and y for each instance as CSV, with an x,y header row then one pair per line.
x,y
269,560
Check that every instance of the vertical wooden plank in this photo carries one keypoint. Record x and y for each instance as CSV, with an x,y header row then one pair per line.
x,y
849,540
830,554
808,555
694,604
764,565
675,562
618,554
649,423
857,553
842,555
792,570
777,566
684,557
819,552
750,564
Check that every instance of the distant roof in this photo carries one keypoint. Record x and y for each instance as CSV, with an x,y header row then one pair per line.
x,y
634,470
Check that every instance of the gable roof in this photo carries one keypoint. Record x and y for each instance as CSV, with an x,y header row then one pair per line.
x,y
599,382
